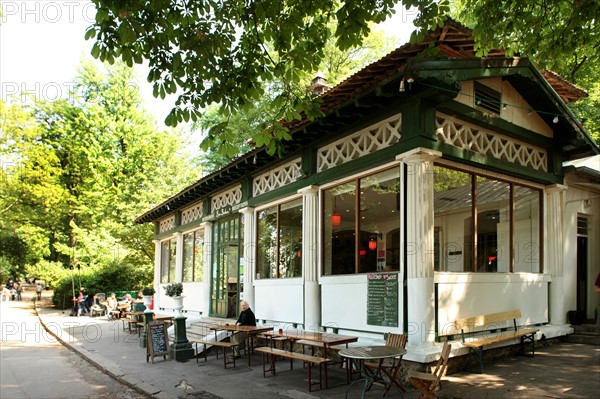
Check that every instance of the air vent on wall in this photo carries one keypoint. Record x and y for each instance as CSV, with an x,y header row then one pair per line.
x,y
487,99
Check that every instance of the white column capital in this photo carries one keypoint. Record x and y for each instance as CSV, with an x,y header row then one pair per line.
x,y
556,188
419,154
247,210
309,190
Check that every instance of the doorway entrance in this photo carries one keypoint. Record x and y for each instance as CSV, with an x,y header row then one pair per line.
x,y
225,274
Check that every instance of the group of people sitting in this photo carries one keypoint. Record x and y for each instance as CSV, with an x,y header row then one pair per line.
x,y
86,304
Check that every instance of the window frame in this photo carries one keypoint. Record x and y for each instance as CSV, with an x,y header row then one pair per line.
x,y
325,217
512,183
278,255
171,250
195,258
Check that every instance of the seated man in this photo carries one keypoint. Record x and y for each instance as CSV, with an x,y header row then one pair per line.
x,y
246,318
124,304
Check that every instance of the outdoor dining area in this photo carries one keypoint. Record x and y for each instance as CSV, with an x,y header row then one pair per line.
x,y
315,356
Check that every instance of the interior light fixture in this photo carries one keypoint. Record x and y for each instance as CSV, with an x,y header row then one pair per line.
x,y
336,218
372,244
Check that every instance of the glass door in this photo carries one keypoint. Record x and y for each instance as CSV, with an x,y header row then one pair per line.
x,y
225,287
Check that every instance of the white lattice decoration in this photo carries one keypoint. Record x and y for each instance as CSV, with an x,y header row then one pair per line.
x,y
166,224
227,198
474,138
192,213
278,177
366,141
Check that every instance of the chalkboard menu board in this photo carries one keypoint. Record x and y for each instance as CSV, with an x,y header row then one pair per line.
x,y
382,299
158,340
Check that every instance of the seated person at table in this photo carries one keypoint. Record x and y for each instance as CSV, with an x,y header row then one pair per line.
x,y
96,307
111,305
246,318
124,304
139,298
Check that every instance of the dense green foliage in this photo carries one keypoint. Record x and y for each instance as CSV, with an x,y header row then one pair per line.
x,y
560,35
210,52
113,277
82,169
220,147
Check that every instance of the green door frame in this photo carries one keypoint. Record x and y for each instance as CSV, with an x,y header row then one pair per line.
x,y
225,270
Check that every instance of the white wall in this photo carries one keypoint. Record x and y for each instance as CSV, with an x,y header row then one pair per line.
x,y
344,303
279,300
470,294
575,206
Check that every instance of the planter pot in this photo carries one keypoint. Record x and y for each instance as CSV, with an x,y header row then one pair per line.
x,y
178,305
147,303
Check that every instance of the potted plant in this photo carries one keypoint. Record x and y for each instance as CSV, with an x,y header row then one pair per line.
x,y
148,291
174,290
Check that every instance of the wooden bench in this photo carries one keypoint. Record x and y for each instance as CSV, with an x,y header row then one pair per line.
x,y
496,328
272,353
217,344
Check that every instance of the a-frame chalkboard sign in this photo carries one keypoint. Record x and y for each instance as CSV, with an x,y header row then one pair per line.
x,y
157,340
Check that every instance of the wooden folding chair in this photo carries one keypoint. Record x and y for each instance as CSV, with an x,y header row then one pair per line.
x,y
391,368
429,382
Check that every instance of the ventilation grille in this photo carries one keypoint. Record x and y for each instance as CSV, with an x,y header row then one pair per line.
x,y
582,226
487,99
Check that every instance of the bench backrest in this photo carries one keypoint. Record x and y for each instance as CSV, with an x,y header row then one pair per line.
x,y
492,320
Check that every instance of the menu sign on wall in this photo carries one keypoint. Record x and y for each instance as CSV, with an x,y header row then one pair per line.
x,y
382,299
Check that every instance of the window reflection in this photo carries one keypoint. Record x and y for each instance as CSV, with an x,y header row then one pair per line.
x,y
279,232
193,256
475,218
367,238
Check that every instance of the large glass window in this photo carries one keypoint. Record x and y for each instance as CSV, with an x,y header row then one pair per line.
x,y
193,256
361,225
453,220
527,229
167,261
484,224
279,249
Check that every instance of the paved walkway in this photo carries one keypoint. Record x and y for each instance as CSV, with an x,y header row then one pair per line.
x,y
557,371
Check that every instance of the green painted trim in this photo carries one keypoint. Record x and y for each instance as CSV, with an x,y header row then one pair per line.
x,y
509,129
166,234
467,157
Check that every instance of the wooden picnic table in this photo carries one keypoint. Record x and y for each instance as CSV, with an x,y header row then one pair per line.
x,y
323,339
249,330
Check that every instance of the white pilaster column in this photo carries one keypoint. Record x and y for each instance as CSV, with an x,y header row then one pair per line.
x,y
178,258
554,249
249,254
310,249
157,264
208,254
418,164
